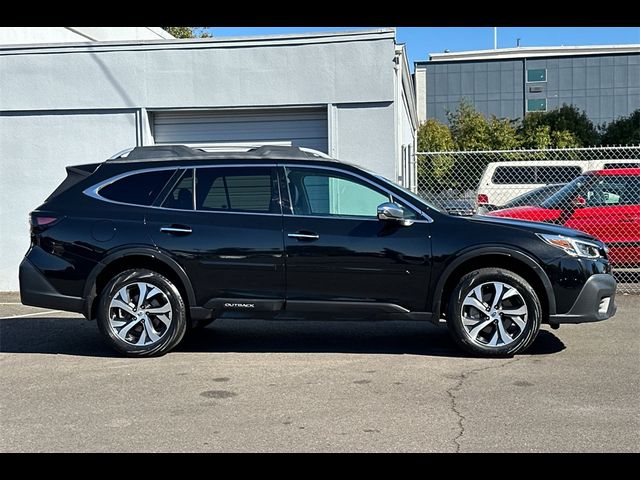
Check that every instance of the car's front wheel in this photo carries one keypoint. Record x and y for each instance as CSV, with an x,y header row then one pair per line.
x,y
494,312
141,313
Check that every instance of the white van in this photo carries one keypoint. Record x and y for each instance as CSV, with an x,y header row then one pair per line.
x,y
503,181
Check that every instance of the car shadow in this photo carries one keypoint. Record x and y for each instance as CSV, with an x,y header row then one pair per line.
x,y
72,336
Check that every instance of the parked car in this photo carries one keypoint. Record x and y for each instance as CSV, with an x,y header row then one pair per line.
x,y
459,207
533,197
602,203
169,238
501,182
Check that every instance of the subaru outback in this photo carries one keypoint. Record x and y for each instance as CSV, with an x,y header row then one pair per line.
x,y
164,239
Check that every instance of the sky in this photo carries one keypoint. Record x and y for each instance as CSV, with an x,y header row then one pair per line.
x,y
421,41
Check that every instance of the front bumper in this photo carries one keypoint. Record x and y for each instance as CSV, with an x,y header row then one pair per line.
x,y
595,302
35,290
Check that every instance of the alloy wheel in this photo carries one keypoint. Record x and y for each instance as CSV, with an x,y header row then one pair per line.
x,y
140,314
494,314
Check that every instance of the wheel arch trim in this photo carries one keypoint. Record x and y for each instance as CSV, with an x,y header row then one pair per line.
x,y
518,255
145,251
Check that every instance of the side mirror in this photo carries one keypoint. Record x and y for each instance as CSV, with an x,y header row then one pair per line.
x,y
391,212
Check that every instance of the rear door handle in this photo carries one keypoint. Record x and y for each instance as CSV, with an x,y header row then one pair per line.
x,y
302,235
176,229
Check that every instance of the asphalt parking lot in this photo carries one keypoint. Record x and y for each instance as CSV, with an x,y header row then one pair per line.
x,y
317,386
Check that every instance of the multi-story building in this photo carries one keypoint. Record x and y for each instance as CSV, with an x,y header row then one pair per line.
x,y
602,80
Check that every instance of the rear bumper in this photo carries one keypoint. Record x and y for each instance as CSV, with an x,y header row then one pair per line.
x,y
595,302
36,291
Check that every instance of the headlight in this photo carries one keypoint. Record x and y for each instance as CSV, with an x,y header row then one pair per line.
x,y
573,246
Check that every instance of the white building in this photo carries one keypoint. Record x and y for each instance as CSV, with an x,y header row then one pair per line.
x,y
349,94
29,35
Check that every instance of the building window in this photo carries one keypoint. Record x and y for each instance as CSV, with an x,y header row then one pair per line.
x,y
537,105
537,75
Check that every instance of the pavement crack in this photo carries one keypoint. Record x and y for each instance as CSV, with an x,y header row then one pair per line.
x,y
453,398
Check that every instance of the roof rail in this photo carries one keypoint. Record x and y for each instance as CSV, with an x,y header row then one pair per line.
x,y
157,152
286,151
121,153
314,152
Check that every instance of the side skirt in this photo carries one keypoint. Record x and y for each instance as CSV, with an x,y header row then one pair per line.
x,y
304,309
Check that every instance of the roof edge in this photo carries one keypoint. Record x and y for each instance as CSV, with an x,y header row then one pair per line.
x,y
213,42
520,52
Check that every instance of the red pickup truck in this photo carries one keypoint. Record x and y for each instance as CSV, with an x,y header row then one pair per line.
x,y
603,203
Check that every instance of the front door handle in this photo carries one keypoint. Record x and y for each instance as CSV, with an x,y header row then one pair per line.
x,y
176,229
304,235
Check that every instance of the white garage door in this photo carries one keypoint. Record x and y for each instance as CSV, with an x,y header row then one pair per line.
x,y
243,128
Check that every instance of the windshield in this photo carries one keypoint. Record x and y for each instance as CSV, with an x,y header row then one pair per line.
x,y
564,197
534,197
418,199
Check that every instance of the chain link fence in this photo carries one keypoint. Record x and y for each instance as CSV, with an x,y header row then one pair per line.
x,y
547,186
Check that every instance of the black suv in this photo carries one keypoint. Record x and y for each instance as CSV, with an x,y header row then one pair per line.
x,y
169,238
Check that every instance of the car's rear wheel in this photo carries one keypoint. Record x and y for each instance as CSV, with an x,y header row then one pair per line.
x,y
494,312
141,313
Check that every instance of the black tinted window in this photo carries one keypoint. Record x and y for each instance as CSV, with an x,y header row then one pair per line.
x,y
237,189
556,174
138,189
533,175
516,175
181,197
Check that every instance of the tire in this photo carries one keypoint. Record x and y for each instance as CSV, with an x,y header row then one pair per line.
x,y
511,323
149,328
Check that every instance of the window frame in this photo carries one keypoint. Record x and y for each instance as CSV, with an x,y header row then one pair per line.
x,y
285,199
537,81
172,184
546,105
287,206
273,169
95,191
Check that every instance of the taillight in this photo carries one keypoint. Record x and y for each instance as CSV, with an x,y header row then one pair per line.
x,y
42,221
39,221
483,198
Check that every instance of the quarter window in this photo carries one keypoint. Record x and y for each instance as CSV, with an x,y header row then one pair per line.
x,y
237,189
537,75
137,189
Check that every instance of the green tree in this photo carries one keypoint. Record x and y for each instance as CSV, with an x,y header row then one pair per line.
x,y
469,128
570,118
535,136
539,130
188,32
435,170
564,139
434,136
502,134
623,130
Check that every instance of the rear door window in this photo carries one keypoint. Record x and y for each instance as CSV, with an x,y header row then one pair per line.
x,y
237,189
137,189
181,196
